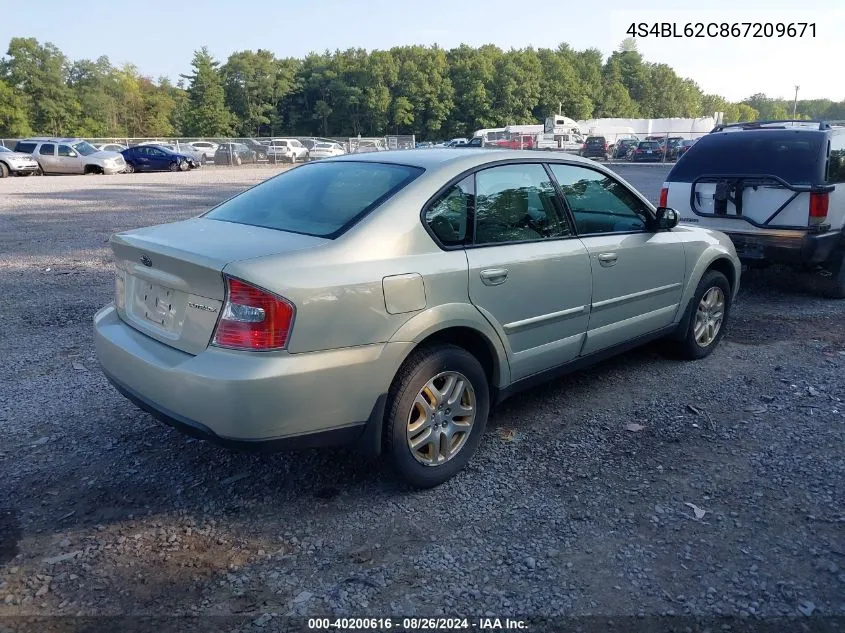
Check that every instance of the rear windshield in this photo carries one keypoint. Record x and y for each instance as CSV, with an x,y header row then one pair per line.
x,y
26,148
794,156
595,139
321,199
649,145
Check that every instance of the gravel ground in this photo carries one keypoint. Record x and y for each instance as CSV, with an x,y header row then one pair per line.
x,y
641,486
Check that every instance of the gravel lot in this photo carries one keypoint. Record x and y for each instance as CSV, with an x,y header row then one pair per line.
x,y
565,510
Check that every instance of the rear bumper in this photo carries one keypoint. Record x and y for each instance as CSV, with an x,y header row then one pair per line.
x,y
787,247
249,400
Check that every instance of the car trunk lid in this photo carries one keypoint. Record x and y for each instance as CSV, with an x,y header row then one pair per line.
x,y
170,282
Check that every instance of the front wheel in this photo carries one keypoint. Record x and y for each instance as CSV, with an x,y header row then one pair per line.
x,y
4,171
437,410
130,169
183,165
711,306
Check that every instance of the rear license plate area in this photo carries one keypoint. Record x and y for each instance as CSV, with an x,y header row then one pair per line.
x,y
156,304
748,248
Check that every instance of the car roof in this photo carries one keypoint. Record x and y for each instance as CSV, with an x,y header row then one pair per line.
x,y
435,158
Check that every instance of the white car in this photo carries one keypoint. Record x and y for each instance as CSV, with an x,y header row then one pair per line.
x,y
776,188
286,149
16,163
110,147
204,149
326,150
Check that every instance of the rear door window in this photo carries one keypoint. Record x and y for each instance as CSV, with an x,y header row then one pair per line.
x,y
798,157
48,149
320,199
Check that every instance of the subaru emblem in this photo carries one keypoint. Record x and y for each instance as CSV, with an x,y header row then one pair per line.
x,y
146,261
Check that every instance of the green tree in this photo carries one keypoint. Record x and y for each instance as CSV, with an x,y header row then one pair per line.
x,y
41,73
13,112
208,115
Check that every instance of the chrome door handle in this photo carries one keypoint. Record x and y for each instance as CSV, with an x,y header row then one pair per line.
x,y
494,276
608,259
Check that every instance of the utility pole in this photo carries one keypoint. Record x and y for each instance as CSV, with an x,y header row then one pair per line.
x,y
795,102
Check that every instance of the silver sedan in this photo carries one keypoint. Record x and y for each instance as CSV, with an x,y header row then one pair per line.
x,y
389,300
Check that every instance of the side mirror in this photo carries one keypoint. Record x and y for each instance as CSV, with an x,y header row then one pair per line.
x,y
667,218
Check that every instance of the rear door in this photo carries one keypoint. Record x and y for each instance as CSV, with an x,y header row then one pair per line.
x,y
638,275
47,158
528,274
749,181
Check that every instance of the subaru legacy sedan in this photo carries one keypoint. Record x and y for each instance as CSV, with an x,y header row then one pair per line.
x,y
389,300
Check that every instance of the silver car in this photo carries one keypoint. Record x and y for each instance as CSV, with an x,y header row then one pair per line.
x,y
390,300
71,156
16,163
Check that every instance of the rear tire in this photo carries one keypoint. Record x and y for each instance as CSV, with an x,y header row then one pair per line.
x,y
426,371
711,305
834,286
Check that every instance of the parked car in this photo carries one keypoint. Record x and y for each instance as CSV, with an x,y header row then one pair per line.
x,y
670,147
684,146
776,188
457,142
183,148
259,149
326,150
355,301
365,146
595,147
70,156
623,146
158,158
204,149
286,150
110,147
646,151
17,163
233,154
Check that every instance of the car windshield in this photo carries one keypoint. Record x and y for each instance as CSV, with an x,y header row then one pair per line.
x,y
323,199
3,148
84,148
794,156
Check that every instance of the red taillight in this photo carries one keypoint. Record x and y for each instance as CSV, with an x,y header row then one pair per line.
x,y
664,196
818,207
253,318
639,151
585,146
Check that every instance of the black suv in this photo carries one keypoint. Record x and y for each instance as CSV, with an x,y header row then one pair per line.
x,y
595,147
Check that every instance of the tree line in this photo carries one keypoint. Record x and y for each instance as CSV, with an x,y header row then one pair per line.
x,y
423,90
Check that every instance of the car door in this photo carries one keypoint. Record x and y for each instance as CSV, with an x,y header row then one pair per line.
x,y
68,160
158,159
638,274
47,158
528,273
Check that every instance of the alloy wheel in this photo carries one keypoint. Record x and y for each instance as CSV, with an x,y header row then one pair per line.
x,y
441,418
709,316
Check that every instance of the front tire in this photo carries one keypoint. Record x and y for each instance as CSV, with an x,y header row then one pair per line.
x,y
4,171
711,307
183,165
437,410
129,169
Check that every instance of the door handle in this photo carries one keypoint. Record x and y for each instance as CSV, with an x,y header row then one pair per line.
x,y
494,276
608,259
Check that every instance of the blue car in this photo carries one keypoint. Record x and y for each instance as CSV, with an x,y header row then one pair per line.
x,y
157,158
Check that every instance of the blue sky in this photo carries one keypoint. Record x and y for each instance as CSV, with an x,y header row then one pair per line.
x,y
159,37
